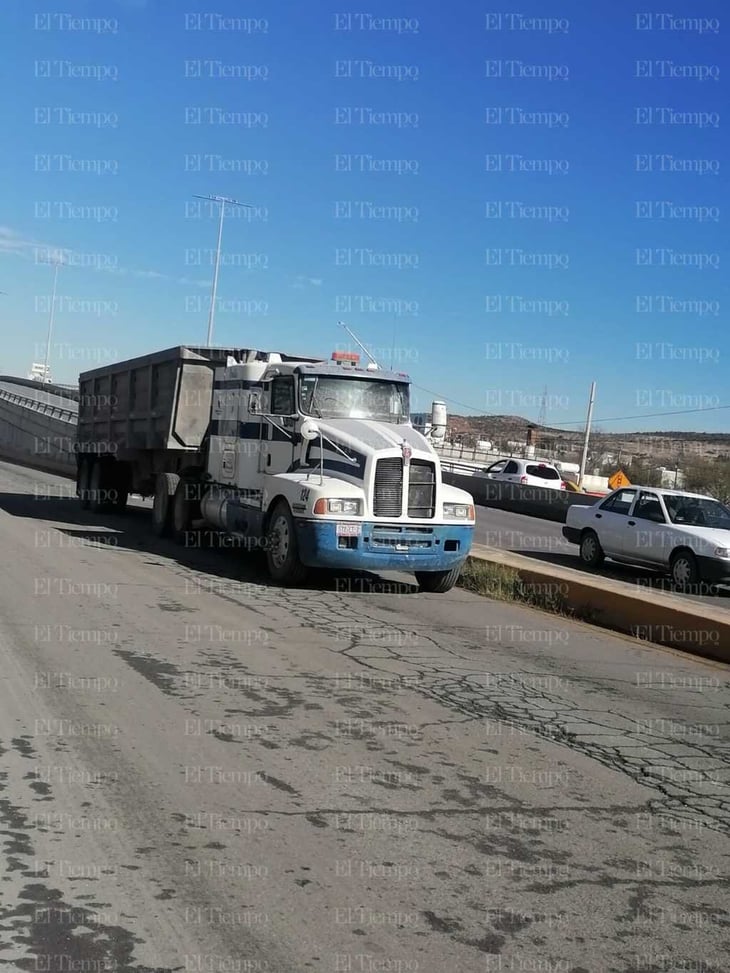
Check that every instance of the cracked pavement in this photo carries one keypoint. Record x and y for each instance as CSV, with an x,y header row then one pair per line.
x,y
202,772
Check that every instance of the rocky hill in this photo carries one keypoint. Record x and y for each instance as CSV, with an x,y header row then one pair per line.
x,y
657,446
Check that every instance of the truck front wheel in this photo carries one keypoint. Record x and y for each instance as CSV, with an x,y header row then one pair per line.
x,y
165,486
438,581
282,553
185,509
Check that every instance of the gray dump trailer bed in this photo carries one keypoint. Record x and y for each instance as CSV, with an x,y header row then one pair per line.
x,y
158,401
146,418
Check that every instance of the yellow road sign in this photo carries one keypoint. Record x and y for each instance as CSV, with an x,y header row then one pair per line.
x,y
619,479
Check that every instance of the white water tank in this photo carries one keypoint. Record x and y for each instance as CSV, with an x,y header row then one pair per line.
x,y
438,422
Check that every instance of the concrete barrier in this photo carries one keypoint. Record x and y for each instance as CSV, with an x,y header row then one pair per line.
x,y
37,427
533,501
650,617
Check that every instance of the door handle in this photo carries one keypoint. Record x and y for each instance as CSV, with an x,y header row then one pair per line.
x,y
598,516
632,523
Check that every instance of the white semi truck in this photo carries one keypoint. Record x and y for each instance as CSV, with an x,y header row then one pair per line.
x,y
314,461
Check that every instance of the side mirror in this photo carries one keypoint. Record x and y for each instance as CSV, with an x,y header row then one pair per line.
x,y
309,430
254,403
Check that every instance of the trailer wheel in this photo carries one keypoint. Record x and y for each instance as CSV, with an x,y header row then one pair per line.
x,y
282,554
121,486
165,486
84,478
185,509
97,487
438,581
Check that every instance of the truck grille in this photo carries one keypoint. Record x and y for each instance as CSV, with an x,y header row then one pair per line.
x,y
422,489
388,500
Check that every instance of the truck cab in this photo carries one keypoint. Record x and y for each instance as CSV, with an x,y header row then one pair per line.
x,y
317,461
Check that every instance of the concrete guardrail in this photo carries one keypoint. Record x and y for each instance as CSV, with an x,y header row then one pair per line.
x,y
533,501
37,432
646,615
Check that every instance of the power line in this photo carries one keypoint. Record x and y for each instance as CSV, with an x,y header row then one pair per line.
x,y
576,422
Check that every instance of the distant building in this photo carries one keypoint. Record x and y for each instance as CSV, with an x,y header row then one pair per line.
x,y
39,372
671,477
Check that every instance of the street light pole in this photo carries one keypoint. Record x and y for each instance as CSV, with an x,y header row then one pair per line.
x,y
50,319
222,200
587,434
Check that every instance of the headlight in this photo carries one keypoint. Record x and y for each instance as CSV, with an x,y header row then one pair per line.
x,y
458,511
352,508
722,552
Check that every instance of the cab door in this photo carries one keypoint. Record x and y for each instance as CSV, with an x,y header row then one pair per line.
x,y
277,444
223,450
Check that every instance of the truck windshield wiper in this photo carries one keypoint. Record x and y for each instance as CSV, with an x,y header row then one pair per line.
x,y
315,408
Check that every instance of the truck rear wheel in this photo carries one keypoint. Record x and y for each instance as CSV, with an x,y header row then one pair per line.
x,y
438,581
98,499
165,486
120,489
84,483
282,554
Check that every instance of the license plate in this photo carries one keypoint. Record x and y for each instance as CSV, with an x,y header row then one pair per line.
x,y
349,530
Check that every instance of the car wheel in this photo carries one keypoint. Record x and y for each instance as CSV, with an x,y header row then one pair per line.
x,y
685,571
438,581
591,552
282,553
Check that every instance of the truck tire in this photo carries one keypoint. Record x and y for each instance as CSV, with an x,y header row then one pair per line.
x,y
84,478
165,486
121,487
282,554
98,499
438,581
185,509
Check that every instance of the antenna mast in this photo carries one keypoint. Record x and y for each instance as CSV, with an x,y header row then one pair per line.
x,y
358,342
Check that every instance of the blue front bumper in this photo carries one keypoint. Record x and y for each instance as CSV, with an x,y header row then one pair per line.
x,y
383,547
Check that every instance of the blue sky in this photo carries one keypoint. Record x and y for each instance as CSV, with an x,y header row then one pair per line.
x,y
375,154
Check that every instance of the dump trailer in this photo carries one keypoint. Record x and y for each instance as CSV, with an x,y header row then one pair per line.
x,y
315,462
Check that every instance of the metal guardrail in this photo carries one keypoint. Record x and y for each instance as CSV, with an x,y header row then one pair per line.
x,y
36,405
466,469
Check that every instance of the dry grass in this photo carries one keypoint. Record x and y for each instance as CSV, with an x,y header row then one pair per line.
x,y
505,584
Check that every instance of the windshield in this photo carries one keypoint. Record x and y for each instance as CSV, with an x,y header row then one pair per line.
x,y
332,397
697,511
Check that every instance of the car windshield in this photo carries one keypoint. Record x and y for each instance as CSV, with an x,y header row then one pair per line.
x,y
697,511
332,397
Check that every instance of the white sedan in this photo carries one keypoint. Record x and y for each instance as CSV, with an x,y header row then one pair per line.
x,y
684,534
528,472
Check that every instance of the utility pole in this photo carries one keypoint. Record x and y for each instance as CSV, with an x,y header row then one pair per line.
x,y
58,261
587,434
222,200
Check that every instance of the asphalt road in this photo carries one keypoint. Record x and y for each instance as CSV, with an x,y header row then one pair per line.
x,y
202,772
543,539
